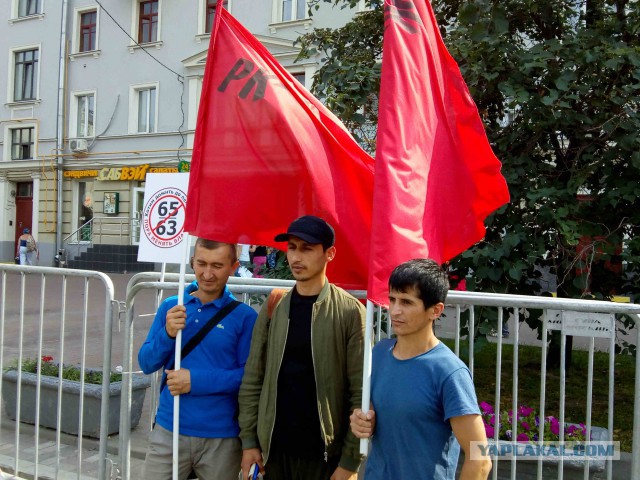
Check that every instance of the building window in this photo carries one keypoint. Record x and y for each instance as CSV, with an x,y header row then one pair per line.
x,y
25,82
143,108
85,115
294,10
146,110
300,77
22,143
148,22
28,7
211,12
24,189
88,30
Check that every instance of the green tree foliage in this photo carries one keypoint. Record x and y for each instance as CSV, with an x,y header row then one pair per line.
x,y
557,83
349,78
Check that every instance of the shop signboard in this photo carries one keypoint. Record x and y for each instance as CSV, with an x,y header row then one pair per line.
x,y
110,174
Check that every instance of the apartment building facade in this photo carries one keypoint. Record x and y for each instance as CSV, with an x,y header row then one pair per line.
x,y
100,93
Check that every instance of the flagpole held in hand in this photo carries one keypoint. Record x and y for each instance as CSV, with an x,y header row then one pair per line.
x,y
366,371
176,399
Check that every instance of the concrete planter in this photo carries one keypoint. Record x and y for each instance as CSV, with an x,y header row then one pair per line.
x,y
70,402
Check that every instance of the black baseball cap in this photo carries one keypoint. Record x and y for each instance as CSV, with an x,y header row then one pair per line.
x,y
310,229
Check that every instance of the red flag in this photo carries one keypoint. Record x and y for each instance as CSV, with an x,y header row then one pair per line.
x,y
437,178
266,151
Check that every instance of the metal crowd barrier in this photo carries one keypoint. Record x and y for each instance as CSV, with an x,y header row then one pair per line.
x,y
245,287
554,311
457,302
45,311
41,307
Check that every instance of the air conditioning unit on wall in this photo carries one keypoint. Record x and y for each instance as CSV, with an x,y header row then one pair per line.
x,y
78,145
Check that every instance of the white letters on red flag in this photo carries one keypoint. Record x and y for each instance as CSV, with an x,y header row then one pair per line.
x,y
437,178
266,151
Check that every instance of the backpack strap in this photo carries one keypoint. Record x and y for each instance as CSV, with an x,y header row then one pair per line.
x,y
274,299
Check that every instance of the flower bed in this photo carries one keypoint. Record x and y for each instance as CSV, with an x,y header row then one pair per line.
x,y
49,387
528,426
527,430
49,368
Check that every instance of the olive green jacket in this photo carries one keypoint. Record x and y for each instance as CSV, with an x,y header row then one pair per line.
x,y
337,342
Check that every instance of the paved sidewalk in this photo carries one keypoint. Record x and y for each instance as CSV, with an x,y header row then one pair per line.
x,y
69,459
67,466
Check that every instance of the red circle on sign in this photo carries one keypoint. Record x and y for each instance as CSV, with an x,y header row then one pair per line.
x,y
174,211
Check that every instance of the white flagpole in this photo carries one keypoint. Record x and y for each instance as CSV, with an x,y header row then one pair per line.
x,y
366,371
176,399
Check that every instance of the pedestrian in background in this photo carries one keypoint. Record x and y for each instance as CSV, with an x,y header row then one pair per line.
x,y
245,261
258,258
27,248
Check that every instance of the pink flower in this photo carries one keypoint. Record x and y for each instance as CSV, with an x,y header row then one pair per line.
x,y
525,411
525,419
486,408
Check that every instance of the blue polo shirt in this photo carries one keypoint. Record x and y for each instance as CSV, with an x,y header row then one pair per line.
x,y
216,365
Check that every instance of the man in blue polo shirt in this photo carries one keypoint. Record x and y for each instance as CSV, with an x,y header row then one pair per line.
x,y
211,373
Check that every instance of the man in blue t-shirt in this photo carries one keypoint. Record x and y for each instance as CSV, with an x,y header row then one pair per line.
x,y
210,375
425,401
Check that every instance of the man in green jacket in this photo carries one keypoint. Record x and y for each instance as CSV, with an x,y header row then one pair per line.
x,y
303,377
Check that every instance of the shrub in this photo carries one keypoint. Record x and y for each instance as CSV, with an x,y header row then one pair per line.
x,y
49,368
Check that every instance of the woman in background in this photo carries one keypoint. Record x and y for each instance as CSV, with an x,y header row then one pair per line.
x,y
27,248
258,258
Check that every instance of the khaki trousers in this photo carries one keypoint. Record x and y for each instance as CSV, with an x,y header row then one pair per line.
x,y
209,458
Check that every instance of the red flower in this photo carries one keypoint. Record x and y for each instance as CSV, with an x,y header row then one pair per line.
x,y
47,358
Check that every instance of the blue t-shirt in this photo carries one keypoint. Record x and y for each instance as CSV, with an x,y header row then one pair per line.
x,y
216,365
414,400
